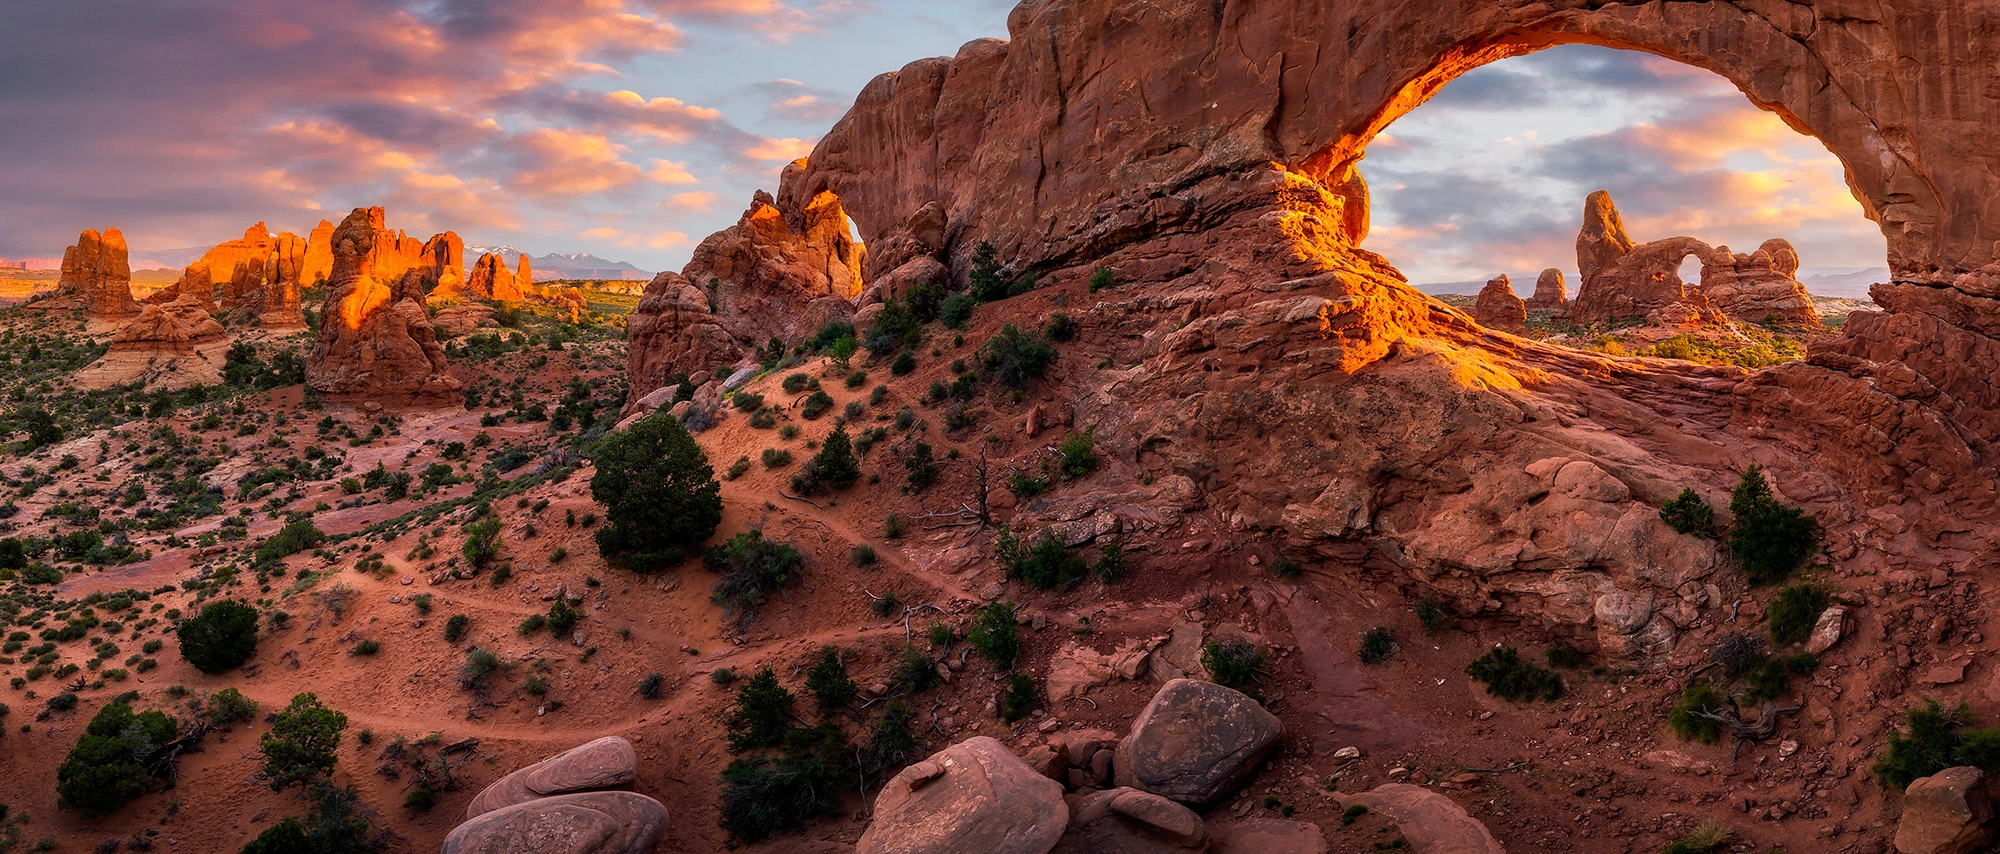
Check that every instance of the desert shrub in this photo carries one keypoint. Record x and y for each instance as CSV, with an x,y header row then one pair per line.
x,y
1101,279
336,824
817,404
1704,838
765,795
660,494
229,706
956,312
864,555
893,743
1013,357
1376,645
987,285
650,686
302,743
921,466
368,647
829,682
1506,676
1770,538
1025,485
531,624
482,542
763,713
420,798
994,636
1078,454
478,669
796,383
1019,700
897,327
1693,727
109,767
856,379
915,670
736,469
296,536
1689,514
1060,327
454,628
776,458
834,467
1232,663
1794,611
221,637
892,527
764,418
1110,565
904,364
1936,740
563,616
752,568
1046,564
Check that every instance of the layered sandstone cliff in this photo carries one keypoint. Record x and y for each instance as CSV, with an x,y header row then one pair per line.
x,y
375,338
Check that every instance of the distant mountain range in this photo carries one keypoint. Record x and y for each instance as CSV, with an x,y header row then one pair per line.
x,y
562,265
1846,282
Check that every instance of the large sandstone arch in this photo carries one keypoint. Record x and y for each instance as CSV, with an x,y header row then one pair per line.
x,y
1206,150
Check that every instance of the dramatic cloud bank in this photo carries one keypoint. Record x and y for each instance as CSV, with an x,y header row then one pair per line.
x,y
1490,176
632,128
594,125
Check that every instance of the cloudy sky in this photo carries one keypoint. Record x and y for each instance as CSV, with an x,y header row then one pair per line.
x,y
632,128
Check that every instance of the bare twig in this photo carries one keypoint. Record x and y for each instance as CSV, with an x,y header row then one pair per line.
x,y
800,498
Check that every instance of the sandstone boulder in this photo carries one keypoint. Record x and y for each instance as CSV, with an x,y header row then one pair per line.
x,y
1948,812
462,319
1827,630
1128,821
587,823
317,263
375,337
972,796
1431,821
674,332
1498,307
1269,836
607,763
1550,293
1195,742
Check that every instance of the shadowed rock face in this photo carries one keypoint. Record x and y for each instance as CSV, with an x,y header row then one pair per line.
x,y
767,276
375,337
1313,398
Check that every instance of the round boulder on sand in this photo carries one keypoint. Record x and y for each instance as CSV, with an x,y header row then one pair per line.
x,y
1195,742
974,796
607,763
587,823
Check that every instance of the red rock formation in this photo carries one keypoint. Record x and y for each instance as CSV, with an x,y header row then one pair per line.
x,y
169,346
1498,307
1623,281
768,276
375,338
444,263
1312,397
1550,294
278,302
1758,286
318,262
525,278
97,277
489,278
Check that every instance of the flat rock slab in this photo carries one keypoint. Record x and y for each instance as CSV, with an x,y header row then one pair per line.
x,y
1268,836
1195,741
974,796
587,823
1434,823
606,763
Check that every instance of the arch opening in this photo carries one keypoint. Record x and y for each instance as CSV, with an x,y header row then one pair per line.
x,y
1482,167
